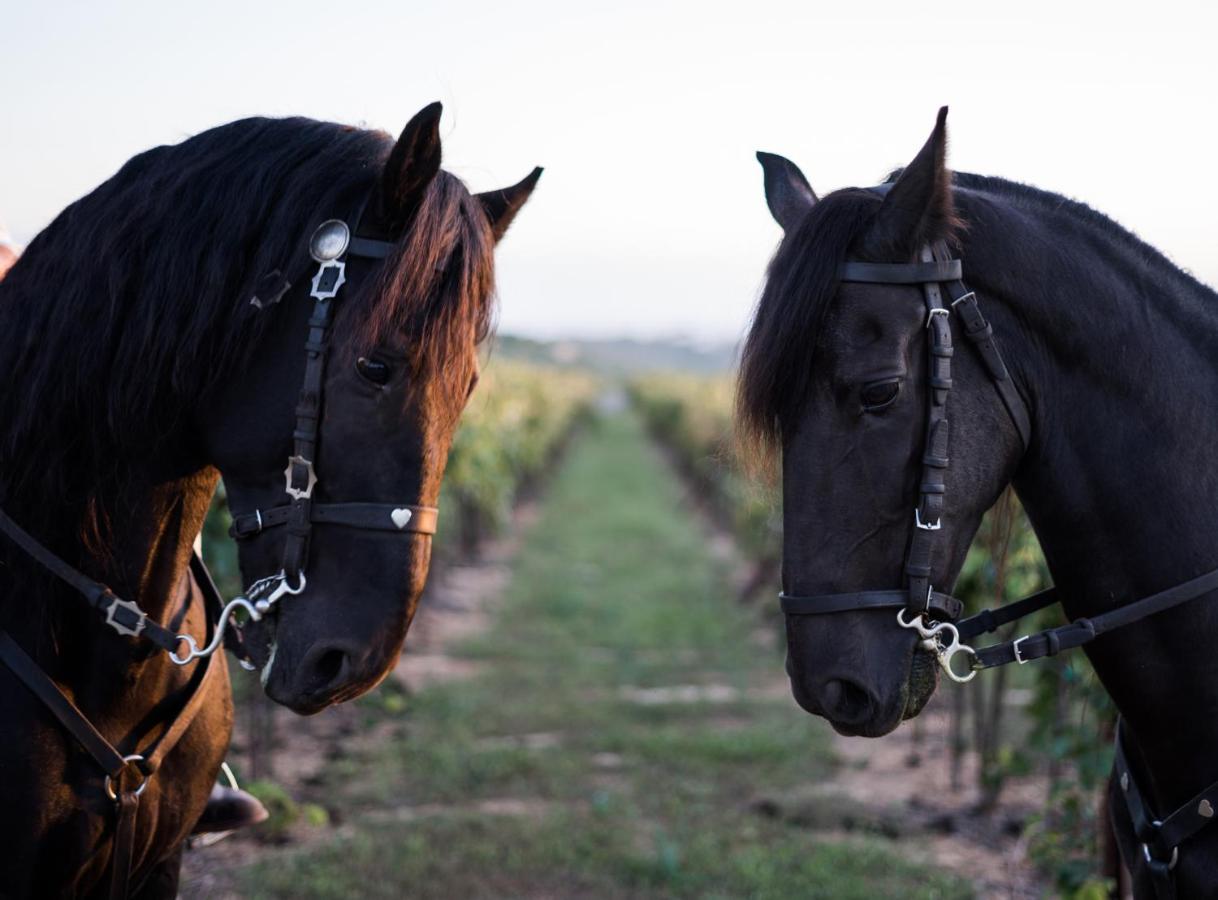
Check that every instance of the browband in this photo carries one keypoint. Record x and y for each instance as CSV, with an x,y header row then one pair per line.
x,y
936,271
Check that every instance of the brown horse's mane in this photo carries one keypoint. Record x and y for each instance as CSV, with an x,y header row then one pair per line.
x,y
132,307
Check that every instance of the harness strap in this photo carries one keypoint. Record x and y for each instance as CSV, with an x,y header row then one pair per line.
x,y
1081,631
989,620
124,844
57,703
370,516
124,616
107,757
980,333
1161,839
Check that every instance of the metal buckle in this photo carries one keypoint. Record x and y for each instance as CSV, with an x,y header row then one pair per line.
x,y
936,311
1015,646
963,297
141,618
325,284
295,492
926,526
133,758
1171,864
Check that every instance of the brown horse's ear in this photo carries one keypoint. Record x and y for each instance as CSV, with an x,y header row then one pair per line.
x,y
412,164
919,208
502,205
787,192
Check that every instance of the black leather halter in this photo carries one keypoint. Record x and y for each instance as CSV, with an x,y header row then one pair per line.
x,y
935,273
330,247
932,613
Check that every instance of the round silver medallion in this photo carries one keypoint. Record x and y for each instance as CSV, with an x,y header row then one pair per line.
x,y
329,241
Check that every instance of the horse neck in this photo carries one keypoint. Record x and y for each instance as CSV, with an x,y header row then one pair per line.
x,y
153,523
1119,352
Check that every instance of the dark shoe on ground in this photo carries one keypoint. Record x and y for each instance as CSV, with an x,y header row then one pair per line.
x,y
229,809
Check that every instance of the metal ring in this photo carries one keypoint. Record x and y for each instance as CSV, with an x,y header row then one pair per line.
x,y
945,662
192,650
128,760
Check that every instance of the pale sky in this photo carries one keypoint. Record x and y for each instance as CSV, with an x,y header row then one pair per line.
x,y
649,220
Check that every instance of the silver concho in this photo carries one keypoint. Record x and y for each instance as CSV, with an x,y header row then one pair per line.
x,y
330,240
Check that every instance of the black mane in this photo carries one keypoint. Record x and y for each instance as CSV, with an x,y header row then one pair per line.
x,y
775,367
143,287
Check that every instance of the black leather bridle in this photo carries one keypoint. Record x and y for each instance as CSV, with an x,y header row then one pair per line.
x,y
935,616
936,273
329,247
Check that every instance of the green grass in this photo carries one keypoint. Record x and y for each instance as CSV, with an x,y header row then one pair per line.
x,y
614,591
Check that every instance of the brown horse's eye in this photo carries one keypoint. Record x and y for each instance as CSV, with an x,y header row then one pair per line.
x,y
879,395
373,371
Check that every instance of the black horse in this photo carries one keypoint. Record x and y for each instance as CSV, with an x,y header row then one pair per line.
x,y
1109,354
155,338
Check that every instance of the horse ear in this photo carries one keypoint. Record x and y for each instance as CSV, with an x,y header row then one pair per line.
x,y
919,208
502,205
412,164
787,192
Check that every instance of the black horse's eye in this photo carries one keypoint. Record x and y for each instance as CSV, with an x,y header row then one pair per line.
x,y
880,394
373,371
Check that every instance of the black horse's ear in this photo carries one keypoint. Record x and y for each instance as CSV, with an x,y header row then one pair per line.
x,y
502,205
412,164
919,208
787,192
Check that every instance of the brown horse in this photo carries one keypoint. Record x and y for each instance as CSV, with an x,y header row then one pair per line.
x,y
155,338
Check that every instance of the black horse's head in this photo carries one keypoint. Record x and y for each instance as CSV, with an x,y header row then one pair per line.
x,y
834,376
399,364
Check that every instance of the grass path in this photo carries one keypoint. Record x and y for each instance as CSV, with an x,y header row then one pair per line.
x,y
621,727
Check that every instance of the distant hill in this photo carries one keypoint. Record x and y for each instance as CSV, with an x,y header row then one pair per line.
x,y
620,356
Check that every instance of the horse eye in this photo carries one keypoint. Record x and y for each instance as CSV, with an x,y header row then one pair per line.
x,y
879,395
373,371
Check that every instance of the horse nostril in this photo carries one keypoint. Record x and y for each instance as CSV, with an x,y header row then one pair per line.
x,y
844,701
326,668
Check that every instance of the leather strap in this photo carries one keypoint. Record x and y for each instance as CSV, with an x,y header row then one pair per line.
x,y
980,334
370,516
925,272
369,248
64,710
1082,631
1160,840
124,845
123,616
942,606
989,620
